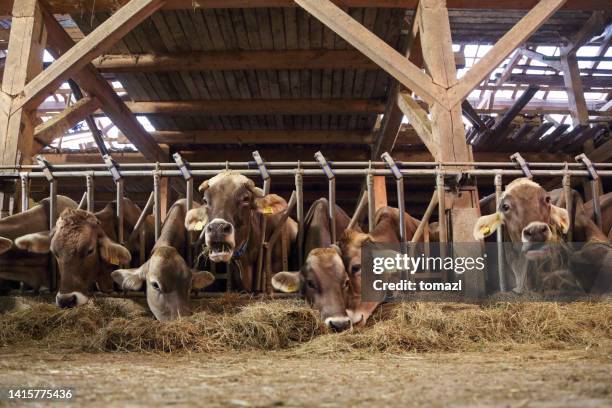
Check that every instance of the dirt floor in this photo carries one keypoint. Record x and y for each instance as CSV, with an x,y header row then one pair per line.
x,y
522,377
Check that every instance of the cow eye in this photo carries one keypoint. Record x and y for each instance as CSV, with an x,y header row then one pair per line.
x,y
90,251
355,269
156,286
311,284
246,198
204,201
505,207
547,199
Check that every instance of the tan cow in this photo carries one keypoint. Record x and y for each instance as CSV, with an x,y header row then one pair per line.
x,y
168,278
85,247
231,215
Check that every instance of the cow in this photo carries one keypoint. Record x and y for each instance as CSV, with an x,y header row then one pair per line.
x,y
386,231
84,245
21,266
322,280
231,216
537,224
605,203
166,276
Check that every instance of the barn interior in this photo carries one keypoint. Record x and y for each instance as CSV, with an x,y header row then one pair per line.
x,y
217,82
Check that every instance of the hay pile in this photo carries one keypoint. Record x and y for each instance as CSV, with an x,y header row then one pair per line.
x,y
239,323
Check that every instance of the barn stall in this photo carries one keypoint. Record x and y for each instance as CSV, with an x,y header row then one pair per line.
x,y
147,99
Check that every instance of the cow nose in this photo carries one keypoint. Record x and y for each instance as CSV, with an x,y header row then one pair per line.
x,y
66,301
338,324
219,227
537,232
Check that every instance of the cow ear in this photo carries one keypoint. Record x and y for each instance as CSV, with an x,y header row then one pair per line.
x,y
287,282
337,249
560,217
271,204
203,186
38,242
196,219
129,279
5,244
201,279
114,253
486,225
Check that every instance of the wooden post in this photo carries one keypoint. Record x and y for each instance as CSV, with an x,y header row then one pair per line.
x,y
447,129
24,61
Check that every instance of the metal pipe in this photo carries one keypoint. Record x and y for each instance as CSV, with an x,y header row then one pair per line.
x,y
120,211
441,208
143,216
267,286
299,193
567,190
25,192
596,203
189,197
371,200
157,203
358,210
52,219
425,220
500,236
332,209
89,180
82,202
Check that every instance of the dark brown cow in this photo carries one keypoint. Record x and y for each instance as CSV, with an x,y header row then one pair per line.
x,y
231,215
167,276
85,247
19,265
605,202
322,280
386,231
5,245
536,222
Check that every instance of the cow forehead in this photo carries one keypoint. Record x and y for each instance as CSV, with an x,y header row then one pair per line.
x,y
522,187
325,260
228,179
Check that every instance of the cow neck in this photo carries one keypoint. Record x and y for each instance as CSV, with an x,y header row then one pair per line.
x,y
242,248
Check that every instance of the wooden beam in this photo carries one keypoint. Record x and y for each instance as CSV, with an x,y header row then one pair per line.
x,y
575,94
379,51
500,51
556,80
594,25
96,86
99,40
602,154
71,6
212,137
237,60
417,117
534,55
257,107
24,61
59,124
489,100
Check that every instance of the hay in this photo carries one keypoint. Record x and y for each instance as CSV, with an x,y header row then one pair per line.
x,y
236,322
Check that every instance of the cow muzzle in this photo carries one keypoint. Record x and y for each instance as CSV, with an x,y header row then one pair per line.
x,y
338,324
220,240
72,299
536,237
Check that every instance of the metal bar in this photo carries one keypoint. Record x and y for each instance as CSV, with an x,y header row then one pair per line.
x,y
518,159
157,203
500,236
120,210
82,202
259,280
299,192
89,180
331,180
440,187
25,192
52,219
143,217
567,190
91,124
267,286
425,220
189,197
401,204
594,181
358,210
371,198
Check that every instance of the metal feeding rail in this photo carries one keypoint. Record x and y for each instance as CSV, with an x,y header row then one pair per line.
x,y
440,173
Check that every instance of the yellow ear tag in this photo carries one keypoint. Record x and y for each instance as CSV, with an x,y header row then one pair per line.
x,y
268,210
291,288
114,260
485,230
199,226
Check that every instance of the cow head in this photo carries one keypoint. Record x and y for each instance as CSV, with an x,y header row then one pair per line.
x,y
228,202
529,217
168,280
83,252
5,245
323,283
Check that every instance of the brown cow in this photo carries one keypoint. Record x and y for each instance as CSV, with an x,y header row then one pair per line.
x,y
5,245
386,231
167,276
605,203
85,247
231,216
19,265
322,280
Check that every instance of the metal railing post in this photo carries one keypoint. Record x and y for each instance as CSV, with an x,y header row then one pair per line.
x,y
594,181
89,180
259,283
113,168
25,192
500,235
401,204
299,193
48,172
331,181
157,203
183,166
371,199
569,205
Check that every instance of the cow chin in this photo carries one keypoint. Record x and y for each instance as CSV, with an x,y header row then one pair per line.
x,y
536,251
220,251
